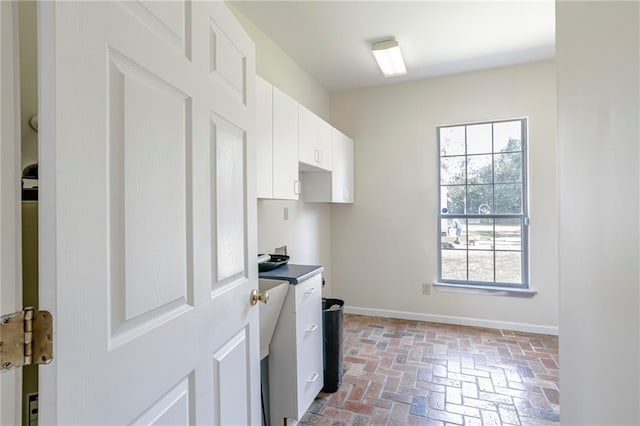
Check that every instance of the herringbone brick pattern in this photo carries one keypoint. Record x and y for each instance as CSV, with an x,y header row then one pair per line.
x,y
400,372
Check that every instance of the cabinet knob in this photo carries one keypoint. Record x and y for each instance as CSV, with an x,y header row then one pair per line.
x,y
259,297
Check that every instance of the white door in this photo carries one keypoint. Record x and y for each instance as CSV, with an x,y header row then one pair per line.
x,y
148,214
10,269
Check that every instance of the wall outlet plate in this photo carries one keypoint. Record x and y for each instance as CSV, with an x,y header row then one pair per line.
x,y
426,289
32,406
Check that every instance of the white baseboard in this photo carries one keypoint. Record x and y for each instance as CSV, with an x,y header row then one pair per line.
x,y
446,319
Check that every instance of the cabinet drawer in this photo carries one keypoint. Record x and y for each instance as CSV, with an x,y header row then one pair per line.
x,y
308,325
308,290
309,354
310,383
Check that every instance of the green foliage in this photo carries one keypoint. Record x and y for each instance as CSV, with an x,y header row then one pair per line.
x,y
494,182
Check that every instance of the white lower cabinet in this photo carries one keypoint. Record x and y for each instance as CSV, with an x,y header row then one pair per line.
x,y
295,353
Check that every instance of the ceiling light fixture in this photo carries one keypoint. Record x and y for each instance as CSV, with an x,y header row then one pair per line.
x,y
389,58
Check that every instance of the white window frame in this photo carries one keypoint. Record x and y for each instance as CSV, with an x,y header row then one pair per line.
x,y
524,216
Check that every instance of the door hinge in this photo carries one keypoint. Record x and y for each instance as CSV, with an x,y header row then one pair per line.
x,y
26,337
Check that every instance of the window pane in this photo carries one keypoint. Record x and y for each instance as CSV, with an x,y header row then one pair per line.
x,y
479,169
452,141
454,233
508,234
507,136
480,234
452,170
452,199
454,264
479,139
509,267
479,199
508,198
508,168
481,266
482,182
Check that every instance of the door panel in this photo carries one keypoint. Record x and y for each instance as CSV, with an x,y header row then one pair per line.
x,y
229,149
226,61
171,20
173,408
230,366
148,186
149,139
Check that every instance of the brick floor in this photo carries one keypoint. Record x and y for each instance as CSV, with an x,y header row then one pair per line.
x,y
400,372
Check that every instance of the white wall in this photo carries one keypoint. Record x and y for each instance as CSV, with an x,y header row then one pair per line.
x,y
384,247
307,231
598,112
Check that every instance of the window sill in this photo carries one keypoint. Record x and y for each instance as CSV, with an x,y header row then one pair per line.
x,y
487,290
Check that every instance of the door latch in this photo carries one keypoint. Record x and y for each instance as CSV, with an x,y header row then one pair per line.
x,y
26,337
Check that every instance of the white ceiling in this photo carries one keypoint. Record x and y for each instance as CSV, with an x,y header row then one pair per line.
x,y
331,39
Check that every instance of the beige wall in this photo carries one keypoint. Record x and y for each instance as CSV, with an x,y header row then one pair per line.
x,y
275,66
384,247
307,231
598,115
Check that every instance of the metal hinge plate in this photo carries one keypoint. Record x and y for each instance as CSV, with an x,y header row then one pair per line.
x,y
26,337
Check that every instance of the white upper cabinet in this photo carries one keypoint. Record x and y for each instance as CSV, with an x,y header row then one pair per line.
x,y
277,143
337,186
314,141
291,139
286,185
264,138
325,147
342,182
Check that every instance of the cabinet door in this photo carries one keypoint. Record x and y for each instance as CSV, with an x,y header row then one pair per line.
x,y
325,149
308,136
264,138
314,141
285,146
342,176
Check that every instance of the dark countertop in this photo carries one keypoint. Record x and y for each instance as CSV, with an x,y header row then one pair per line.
x,y
293,273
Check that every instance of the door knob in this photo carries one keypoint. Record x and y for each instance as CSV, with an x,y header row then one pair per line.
x,y
259,297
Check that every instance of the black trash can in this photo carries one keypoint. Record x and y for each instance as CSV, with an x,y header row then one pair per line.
x,y
332,319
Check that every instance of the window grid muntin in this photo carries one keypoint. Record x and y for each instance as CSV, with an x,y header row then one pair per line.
x,y
522,216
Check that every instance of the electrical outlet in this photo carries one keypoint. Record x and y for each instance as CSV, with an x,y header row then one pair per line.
x,y
32,406
426,289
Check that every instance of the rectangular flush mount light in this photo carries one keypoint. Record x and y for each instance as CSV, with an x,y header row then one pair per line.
x,y
389,58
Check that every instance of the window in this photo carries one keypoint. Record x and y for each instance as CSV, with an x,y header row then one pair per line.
x,y
482,215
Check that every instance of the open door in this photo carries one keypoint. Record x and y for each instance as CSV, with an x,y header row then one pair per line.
x,y
10,259
148,214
